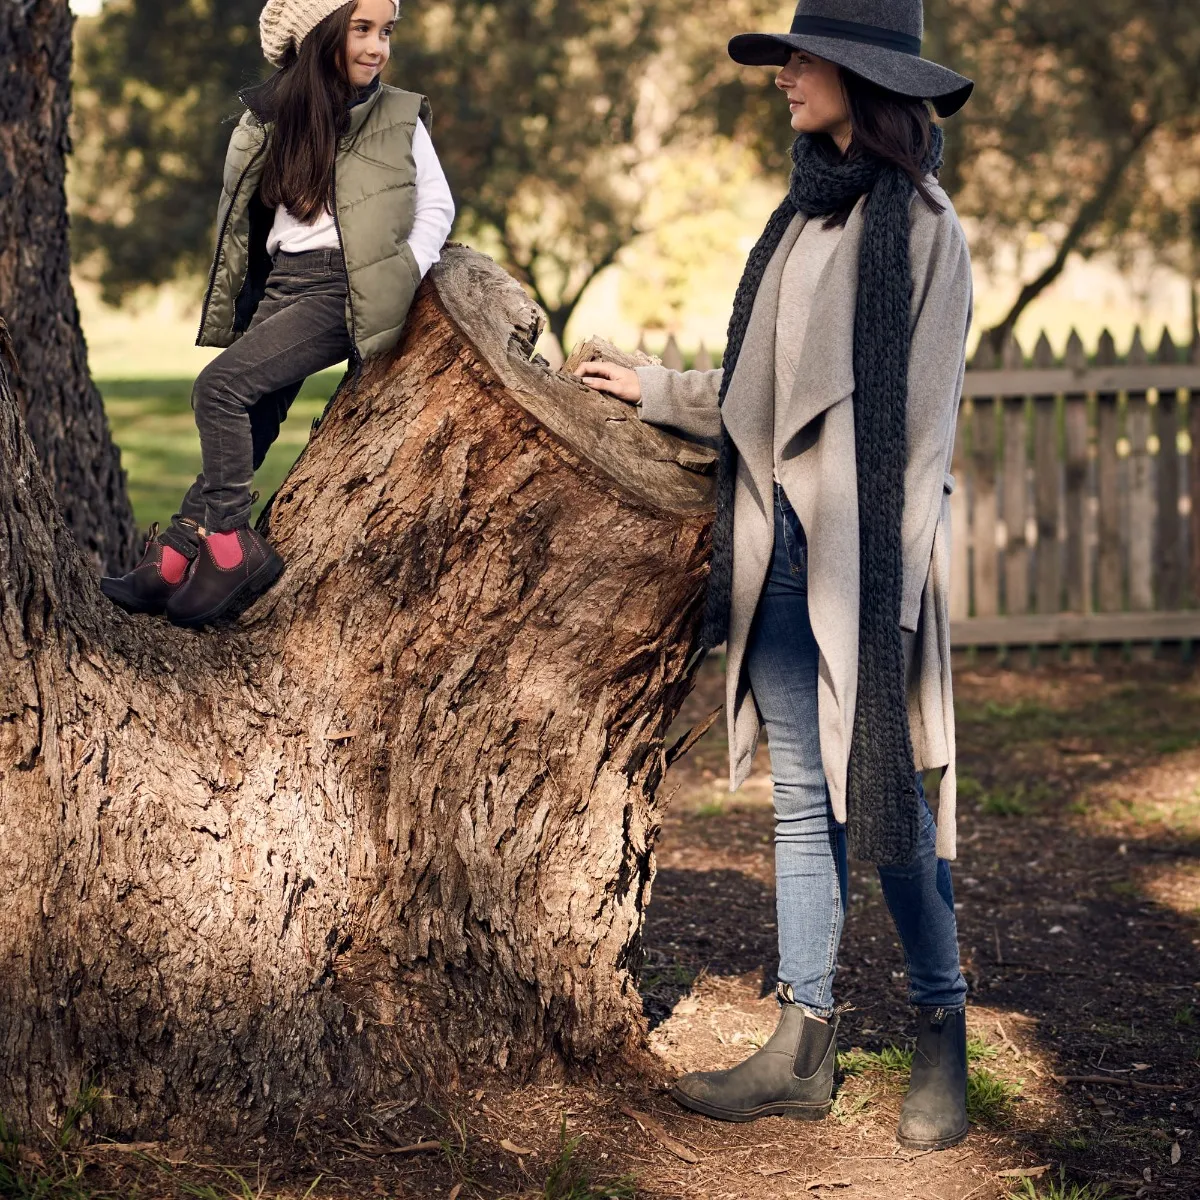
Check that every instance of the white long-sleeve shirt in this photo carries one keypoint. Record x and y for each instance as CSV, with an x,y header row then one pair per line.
x,y
431,223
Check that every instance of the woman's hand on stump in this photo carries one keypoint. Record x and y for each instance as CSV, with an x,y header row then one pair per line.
x,y
617,381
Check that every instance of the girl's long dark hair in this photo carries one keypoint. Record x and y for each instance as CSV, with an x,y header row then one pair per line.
x,y
893,128
311,110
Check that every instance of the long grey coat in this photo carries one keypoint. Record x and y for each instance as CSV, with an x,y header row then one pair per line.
x,y
817,470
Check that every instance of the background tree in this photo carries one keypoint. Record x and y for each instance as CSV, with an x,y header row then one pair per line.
x,y
63,410
1080,116
551,121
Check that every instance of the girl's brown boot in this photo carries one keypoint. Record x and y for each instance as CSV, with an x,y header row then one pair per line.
x,y
148,587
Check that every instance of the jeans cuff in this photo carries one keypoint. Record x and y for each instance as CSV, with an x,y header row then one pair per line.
x,y
180,541
785,995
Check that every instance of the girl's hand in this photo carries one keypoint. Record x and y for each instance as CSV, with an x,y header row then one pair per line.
x,y
620,382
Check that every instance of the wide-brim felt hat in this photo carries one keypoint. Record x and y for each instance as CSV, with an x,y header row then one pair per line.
x,y
877,39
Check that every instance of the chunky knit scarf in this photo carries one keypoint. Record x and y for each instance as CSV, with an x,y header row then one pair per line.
x,y
882,806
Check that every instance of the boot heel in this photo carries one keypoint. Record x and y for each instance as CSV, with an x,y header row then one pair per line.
x,y
810,1112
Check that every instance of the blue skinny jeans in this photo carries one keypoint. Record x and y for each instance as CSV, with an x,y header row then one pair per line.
x,y
810,845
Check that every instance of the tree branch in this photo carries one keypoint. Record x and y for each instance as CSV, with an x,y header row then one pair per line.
x,y
1087,217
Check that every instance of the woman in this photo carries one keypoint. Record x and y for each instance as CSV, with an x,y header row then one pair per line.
x,y
333,207
834,415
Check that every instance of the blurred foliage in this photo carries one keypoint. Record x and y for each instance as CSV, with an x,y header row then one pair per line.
x,y
575,129
550,118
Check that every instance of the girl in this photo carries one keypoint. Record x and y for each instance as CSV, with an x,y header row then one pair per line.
x,y
834,416
333,207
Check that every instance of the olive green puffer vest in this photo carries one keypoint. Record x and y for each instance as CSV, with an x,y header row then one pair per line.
x,y
375,193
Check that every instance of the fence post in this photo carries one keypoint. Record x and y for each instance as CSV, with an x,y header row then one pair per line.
x,y
1171,552
672,359
703,360
1013,531
1078,460
1193,513
984,543
960,529
1047,485
1141,489
1110,559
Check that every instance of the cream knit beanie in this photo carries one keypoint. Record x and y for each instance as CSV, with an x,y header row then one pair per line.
x,y
284,24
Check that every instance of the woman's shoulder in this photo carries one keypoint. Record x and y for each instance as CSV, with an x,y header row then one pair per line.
x,y
937,236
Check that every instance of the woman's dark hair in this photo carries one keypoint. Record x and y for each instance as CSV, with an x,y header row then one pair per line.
x,y
893,128
310,104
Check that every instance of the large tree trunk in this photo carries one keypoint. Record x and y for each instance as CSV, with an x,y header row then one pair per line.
x,y
398,825
63,409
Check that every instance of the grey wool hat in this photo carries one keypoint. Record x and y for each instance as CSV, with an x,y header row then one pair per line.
x,y
877,39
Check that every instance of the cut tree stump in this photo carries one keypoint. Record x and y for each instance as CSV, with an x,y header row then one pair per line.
x,y
397,827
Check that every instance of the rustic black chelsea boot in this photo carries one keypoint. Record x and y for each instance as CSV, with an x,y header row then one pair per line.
x,y
791,1076
934,1113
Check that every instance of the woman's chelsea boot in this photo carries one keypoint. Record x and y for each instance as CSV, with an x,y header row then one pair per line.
x,y
791,1076
934,1113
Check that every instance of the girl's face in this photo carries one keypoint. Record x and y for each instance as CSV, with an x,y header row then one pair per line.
x,y
368,44
816,99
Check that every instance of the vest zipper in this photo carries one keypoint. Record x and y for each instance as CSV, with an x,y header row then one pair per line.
x,y
355,358
212,280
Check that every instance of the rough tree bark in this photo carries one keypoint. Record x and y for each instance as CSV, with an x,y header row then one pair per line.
x,y
398,825
63,409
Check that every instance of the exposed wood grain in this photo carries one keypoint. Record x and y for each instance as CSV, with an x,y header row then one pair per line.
x,y
229,906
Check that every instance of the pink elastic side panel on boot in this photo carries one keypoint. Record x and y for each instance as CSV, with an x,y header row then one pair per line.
x,y
173,565
226,549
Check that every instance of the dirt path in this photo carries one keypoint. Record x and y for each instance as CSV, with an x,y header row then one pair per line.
x,y
1078,891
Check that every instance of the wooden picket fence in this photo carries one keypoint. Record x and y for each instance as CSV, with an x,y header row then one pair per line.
x,y
1076,508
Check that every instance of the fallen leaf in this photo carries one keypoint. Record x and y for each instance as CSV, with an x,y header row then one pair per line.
x,y
829,1183
1148,1175
1176,1153
513,1148
651,1126
1024,1172
455,1192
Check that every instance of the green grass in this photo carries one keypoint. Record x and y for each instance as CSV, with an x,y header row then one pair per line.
x,y
48,1171
1185,1017
1058,1189
567,1178
990,1099
153,424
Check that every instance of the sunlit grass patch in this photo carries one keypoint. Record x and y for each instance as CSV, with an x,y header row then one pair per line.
x,y
1059,1189
990,1098
567,1179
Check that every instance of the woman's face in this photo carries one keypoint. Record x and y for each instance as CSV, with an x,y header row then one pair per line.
x,y
816,99
368,44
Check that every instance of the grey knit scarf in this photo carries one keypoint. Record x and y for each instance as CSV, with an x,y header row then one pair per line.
x,y
883,810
